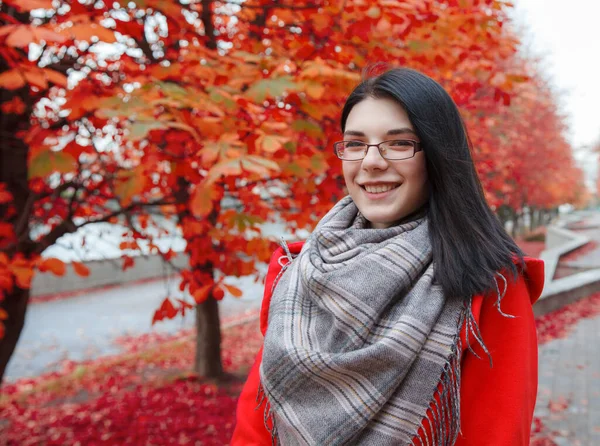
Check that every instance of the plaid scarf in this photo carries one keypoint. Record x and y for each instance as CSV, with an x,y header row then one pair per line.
x,y
360,337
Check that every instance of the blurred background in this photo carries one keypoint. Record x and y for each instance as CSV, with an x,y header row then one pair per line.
x,y
153,152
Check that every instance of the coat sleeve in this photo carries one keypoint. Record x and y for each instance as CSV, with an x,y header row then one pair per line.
x,y
497,402
250,427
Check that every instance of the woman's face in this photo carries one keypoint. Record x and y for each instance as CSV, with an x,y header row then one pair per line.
x,y
372,121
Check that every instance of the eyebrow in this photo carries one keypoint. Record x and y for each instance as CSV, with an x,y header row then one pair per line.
x,y
390,132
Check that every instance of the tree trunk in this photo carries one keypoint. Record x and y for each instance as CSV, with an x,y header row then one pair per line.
x,y
13,173
15,304
208,340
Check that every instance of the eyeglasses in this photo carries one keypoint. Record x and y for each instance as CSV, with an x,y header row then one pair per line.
x,y
397,149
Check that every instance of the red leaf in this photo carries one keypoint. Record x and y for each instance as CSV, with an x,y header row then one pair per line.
x,y
127,263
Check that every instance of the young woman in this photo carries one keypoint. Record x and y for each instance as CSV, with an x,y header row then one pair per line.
x,y
406,317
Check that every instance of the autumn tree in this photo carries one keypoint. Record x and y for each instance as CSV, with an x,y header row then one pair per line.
x,y
219,115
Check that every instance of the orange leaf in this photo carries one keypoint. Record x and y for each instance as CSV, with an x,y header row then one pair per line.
x,y
87,31
201,294
202,200
55,77
23,274
28,5
235,291
3,314
55,266
21,37
81,269
36,78
12,80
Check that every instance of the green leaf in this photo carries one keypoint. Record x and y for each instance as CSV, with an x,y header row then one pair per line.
x,y
296,170
48,162
130,183
140,129
318,163
290,147
217,97
418,46
261,90
173,90
242,221
310,128
267,163
116,107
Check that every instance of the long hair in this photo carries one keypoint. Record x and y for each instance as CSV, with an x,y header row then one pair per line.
x,y
470,246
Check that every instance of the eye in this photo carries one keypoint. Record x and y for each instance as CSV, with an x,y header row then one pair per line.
x,y
399,143
353,144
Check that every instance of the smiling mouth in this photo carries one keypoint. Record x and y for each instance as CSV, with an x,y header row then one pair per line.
x,y
379,188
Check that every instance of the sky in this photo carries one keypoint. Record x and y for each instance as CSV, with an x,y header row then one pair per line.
x,y
567,36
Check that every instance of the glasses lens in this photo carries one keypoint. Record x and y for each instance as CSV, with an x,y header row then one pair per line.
x,y
351,150
397,149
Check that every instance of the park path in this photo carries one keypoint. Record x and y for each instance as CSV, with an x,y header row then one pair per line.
x,y
568,402
568,399
87,326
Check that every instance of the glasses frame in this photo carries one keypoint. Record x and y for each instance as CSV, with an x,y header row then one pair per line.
x,y
416,148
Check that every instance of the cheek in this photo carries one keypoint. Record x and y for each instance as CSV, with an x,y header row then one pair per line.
x,y
349,171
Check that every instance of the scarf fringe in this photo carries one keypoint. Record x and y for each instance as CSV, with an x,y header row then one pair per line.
x,y
443,416
261,397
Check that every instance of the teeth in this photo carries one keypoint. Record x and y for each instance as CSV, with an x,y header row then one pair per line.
x,y
380,188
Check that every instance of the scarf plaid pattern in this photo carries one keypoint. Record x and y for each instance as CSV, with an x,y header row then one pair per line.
x,y
361,341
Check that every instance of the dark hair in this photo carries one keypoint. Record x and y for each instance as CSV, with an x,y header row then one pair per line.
x,y
469,243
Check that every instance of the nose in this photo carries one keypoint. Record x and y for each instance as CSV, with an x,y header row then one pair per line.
x,y
374,160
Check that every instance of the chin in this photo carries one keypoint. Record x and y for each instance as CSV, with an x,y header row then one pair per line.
x,y
381,221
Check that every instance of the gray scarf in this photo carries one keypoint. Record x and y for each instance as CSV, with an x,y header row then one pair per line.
x,y
360,337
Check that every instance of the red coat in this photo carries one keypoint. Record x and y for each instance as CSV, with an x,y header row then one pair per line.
x,y
496,403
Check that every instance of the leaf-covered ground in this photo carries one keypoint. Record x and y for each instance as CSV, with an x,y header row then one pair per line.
x,y
144,397
147,395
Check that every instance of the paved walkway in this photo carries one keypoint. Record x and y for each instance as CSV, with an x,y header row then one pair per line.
x,y
568,401
86,327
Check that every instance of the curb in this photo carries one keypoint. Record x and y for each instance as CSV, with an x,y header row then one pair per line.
x,y
566,290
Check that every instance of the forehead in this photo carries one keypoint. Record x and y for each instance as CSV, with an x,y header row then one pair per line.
x,y
377,116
